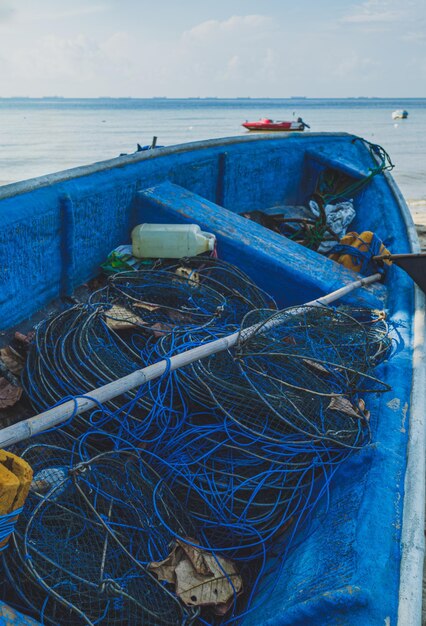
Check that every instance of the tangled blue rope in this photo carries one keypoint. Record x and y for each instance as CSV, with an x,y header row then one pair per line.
x,y
247,441
364,258
7,526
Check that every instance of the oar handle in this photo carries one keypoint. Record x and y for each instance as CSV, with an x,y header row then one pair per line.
x,y
343,291
392,257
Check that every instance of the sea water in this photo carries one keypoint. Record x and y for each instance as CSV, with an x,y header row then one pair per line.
x,y
41,136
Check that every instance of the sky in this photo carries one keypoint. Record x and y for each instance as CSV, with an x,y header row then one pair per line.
x,y
222,48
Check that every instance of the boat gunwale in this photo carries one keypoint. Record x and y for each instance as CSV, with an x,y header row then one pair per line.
x,y
21,187
413,520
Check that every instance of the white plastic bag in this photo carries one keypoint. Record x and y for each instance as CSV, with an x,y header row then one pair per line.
x,y
338,216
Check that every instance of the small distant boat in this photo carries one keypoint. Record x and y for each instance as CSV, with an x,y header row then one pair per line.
x,y
400,114
265,124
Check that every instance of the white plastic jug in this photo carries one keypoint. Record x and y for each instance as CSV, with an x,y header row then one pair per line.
x,y
170,241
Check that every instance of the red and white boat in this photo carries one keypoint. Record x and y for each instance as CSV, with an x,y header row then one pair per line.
x,y
265,124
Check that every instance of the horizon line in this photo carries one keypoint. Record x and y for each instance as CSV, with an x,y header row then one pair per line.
x,y
212,98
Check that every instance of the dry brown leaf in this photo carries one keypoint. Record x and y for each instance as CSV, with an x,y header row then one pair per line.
x,y
363,409
13,361
146,306
177,316
199,577
290,340
188,273
197,557
25,339
214,588
9,394
380,315
160,330
120,318
165,570
338,403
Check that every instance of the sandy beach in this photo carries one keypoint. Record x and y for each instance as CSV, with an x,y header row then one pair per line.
x,y
421,231
418,211
419,217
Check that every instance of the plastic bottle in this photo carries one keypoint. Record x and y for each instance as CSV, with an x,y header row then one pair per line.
x,y
170,241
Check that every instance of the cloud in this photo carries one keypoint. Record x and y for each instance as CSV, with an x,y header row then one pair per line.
x,y
7,10
63,57
239,68
119,45
375,12
414,36
235,26
370,17
80,62
238,56
215,57
69,13
381,15
233,55
355,65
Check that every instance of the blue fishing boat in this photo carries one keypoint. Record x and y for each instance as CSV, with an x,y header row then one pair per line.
x,y
358,560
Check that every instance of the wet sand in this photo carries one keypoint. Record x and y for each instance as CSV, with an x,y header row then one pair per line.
x,y
421,232
418,212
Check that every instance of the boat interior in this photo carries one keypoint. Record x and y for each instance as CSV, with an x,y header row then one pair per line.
x,y
65,229
58,229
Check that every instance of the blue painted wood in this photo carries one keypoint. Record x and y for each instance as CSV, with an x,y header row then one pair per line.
x,y
291,273
260,172
338,163
67,245
344,567
221,173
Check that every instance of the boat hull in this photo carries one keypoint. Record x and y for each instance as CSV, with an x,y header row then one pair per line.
x,y
274,127
355,561
400,115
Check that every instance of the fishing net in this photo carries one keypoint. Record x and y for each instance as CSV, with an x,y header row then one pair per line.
x,y
265,424
237,448
304,370
242,295
160,301
75,352
268,422
120,329
72,353
88,533
242,491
